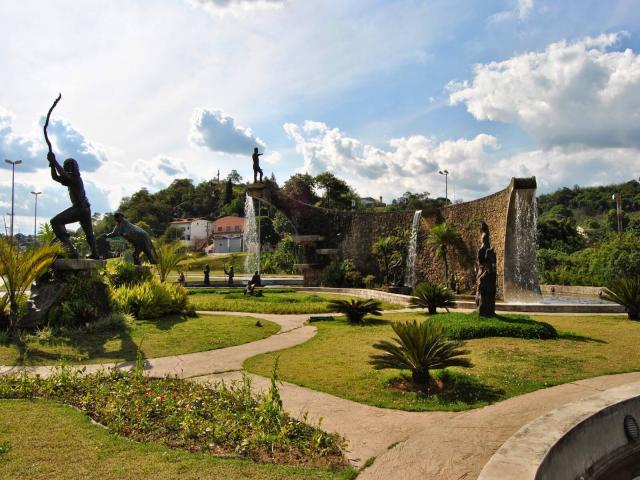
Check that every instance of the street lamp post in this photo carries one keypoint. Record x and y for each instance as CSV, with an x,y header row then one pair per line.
x,y
13,177
446,183
35,217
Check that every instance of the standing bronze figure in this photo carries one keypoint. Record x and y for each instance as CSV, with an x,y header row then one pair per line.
x,y
80,211
256,165
486,276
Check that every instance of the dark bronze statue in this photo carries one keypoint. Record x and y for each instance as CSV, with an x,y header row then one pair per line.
x,y
80,211
252,284
256,165
486,276
136,236
206,270
229,273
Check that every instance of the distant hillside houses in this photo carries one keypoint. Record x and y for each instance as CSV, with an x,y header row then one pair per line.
x,y
192,232
228,234
224,235
369,202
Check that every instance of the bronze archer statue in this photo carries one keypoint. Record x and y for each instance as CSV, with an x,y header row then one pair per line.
x,y
80,210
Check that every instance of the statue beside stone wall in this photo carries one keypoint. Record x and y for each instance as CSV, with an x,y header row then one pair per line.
x,y
486,276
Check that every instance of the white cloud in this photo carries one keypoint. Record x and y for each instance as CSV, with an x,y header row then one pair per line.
x,y
475,165
571,93
410,163
524,8
31,148
221,6
218,132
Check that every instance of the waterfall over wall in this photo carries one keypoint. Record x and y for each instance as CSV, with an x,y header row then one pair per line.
x,y
251,240
410,274
520,267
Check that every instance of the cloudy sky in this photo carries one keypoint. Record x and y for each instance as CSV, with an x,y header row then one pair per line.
x,y
383,93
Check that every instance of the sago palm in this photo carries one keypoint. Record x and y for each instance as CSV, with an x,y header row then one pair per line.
x,y
625,292
441,237
19,270
356,309
169,255
432,297
419,347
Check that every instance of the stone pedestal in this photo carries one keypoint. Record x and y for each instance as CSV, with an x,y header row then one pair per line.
x,y
51,288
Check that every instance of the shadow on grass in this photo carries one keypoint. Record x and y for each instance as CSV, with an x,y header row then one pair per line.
x,y
454,388
579,338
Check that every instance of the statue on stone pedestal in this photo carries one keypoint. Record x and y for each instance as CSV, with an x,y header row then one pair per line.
x,y
486,276
136,236
256,165
80,211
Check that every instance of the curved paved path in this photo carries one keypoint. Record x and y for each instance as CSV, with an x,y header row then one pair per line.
x,y
407,445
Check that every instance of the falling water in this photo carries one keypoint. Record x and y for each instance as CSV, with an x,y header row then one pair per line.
x,y
410,274
251,242
524,265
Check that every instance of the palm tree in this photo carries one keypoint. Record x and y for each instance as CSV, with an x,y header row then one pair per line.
x,y
441,238
625,292
432,297
388,251
356,309
419,347
19,270
169,255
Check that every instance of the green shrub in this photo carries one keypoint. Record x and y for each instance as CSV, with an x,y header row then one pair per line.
x,y
85,299
465,326
341,273
419,347
356,309
151,299
369,281
225,418
432,297
124,273
625,292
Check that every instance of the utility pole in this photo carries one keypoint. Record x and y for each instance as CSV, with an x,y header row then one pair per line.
x,y
618,198
13,177
35,217
446,183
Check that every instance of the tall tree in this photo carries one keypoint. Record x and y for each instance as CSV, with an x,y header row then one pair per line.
x,y
441,237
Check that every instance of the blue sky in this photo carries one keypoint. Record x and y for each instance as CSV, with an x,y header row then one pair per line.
x,y
382,93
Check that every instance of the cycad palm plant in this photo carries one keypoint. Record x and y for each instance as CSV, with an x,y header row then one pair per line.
x,y
169,255
419,347
441,238
432,297
625,292
356,309
19,270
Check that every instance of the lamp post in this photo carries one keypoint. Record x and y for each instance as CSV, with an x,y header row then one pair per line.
x,y
446,183
13,177
35,217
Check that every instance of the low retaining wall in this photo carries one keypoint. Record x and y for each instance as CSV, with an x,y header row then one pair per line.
x,y
580,440
571,290
361,292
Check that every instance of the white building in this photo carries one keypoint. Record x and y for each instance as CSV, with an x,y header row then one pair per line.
x,y
193,232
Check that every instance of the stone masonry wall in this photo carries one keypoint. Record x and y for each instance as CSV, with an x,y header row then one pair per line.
x,y
354,232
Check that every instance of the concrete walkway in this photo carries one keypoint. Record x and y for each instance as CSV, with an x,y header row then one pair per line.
x,y
406,445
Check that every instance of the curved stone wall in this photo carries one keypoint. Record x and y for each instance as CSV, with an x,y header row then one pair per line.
x,y
352,234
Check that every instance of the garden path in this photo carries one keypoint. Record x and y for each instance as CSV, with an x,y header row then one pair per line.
x,y
407,445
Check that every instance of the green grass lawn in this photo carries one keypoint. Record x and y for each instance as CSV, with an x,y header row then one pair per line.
x,y
336,361
161,337
280,301
41,439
